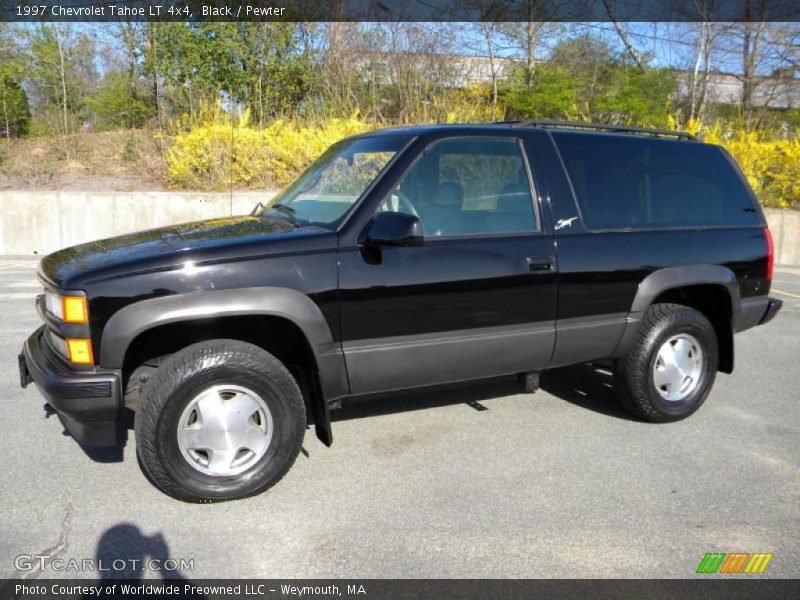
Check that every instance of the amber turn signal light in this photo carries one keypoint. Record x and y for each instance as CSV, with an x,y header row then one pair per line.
x,y
75,310
80,351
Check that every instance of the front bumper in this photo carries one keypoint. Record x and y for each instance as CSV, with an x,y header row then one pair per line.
x,y
89,403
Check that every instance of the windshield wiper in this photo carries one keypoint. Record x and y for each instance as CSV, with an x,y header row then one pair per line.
x,y
287,211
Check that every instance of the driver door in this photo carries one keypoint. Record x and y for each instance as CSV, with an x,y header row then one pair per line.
x,y
477,298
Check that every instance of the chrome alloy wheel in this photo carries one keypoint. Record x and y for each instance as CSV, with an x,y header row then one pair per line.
x,y
678,367
225,430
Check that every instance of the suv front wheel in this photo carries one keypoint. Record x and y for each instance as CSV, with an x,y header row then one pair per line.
x,y
671,367
219,420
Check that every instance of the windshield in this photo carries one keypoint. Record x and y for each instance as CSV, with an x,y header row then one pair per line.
x,y
326,191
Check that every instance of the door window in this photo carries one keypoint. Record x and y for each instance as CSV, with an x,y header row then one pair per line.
x,y
468,186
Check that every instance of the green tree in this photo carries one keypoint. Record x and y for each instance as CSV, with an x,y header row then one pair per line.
x,y
61,72
630,95
277,69
259,65
586,80
172,64
554,93
15,112
16,115
119,104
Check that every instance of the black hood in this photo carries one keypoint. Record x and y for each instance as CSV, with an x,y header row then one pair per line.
x,y
163,246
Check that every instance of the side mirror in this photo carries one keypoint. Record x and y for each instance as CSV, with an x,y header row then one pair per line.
x,y
395,229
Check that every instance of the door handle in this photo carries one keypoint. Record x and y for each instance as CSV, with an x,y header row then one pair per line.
x,y
540,264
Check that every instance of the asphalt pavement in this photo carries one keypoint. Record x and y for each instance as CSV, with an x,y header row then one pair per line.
x,y
474,481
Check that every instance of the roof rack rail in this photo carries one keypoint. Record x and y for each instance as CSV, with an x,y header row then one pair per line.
x,y
545,124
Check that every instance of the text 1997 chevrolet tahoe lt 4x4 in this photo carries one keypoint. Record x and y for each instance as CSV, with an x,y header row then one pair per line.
x,y
399,259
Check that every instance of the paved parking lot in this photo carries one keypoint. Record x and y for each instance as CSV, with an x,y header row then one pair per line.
x,y
478,481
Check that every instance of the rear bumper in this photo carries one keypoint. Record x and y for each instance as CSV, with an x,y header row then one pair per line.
x,y
756,311
773,306
88,403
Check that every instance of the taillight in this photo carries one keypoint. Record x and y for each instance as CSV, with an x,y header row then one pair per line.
x,y
770,253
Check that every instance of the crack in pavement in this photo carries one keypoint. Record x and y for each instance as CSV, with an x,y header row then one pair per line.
x,y
53,551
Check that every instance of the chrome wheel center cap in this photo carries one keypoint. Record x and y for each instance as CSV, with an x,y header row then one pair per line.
x,y
678,367
225,430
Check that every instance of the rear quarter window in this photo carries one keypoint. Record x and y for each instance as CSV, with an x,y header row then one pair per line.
x,y
626,182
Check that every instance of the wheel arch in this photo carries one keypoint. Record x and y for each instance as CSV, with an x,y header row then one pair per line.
x,y
713,290
249,314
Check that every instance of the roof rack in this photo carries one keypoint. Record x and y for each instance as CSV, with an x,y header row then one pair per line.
x,y
544,124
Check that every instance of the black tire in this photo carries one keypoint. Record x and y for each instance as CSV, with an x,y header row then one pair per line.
x,y
184,375
633,376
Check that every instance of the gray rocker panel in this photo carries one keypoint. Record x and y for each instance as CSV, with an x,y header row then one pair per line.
x,y
386,364
583,339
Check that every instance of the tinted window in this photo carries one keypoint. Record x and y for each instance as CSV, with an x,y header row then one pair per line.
x,y
467,186
632,182
336,180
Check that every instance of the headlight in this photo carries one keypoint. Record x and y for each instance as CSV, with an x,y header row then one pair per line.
x,y
53,304
70,309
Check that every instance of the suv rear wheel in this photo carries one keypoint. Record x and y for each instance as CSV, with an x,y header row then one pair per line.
x,y
219,420
671,367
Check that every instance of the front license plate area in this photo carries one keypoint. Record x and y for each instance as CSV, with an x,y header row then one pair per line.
x,y
24,374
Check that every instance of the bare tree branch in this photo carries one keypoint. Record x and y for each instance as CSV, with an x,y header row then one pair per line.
x,y
637,58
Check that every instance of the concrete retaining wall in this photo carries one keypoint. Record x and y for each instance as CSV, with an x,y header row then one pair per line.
x,y
785,228
42,222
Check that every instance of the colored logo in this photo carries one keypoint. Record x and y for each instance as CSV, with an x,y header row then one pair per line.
x,y
734,562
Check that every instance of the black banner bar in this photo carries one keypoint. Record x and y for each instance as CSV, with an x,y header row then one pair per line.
x,y
713,588
399,10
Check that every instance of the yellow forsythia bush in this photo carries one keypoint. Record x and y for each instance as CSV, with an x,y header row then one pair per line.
x,y
214,156
770,163
217,151
466,105
785,177
291,147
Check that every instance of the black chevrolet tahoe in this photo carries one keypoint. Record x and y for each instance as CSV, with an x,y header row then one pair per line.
x,y
399,259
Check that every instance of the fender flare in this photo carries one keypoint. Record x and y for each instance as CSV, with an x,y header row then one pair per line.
x,y
133,320
662,280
